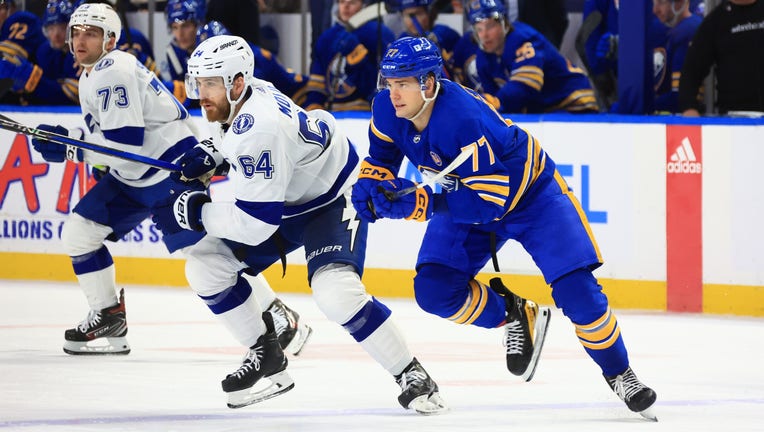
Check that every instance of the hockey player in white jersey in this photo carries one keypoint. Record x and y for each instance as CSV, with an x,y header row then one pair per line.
x,y
292,174
125,107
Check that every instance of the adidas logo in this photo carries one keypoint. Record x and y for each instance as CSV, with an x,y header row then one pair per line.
x,y
683,161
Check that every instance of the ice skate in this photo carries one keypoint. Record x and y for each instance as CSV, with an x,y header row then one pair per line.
x,y
638,397
420,392
266,360
101,333
292,334
524,331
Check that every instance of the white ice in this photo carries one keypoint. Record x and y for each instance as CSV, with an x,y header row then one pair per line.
x,y
707,371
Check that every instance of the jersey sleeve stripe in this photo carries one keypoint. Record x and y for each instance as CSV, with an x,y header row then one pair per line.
x,y
128,135
379,134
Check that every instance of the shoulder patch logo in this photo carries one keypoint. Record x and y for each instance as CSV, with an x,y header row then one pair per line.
x,y
103,64
243,123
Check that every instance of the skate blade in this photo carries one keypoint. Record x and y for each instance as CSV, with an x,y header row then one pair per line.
x,y
280,383
649,414
540,328
431,405
100,346
298,342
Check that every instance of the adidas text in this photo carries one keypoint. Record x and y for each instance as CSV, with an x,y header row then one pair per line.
x,y
684,167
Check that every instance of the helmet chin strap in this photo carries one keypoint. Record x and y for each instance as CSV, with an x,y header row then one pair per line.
x,y
427,101
234,103
677,13
103,53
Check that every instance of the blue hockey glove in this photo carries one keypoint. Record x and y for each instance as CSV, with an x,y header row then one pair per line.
x,y
182,213
416,205
607,47
345,43
200,162
25,74
372,172
53,152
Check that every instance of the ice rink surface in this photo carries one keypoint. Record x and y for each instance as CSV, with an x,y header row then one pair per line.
x,y
708,372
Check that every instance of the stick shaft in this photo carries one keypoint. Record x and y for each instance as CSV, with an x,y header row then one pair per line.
x,y
456,163
14,126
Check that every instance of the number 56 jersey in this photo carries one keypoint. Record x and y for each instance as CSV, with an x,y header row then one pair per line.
x,y
284,161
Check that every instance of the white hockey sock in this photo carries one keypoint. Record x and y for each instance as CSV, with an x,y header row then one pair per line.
x,y
261,289
387,346
244,322
99,287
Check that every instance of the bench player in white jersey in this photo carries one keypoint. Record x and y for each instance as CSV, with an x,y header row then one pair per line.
x,y
125,107
292,174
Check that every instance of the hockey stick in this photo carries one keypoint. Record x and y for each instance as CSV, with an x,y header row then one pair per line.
x,y
456,163
371,12
14,126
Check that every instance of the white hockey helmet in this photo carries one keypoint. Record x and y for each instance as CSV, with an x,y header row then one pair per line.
x,y
225,56
95,15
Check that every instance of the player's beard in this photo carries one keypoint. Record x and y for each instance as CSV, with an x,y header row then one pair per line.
x,y
217,112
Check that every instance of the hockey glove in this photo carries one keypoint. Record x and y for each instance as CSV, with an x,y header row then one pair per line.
x,y
25,74
372,172
182,213
607,47
200,162
416,205
53,152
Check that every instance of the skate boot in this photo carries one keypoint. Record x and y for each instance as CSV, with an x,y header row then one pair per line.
x,y
638,397
292,334
524,331
266,360
101,333
419,390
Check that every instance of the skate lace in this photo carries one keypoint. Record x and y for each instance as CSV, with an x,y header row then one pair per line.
x,y
408,378
92,320
514,337
251,361
627,385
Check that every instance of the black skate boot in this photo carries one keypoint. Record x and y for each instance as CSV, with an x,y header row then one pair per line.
x,y
419,390
106,329
524,331
266,360
292,334
638,397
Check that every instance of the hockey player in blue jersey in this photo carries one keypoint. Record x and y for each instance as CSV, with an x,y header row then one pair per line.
x,y
522,69
267,66
344,62
183,20
59,84
506,188
292,173
464,61
20,37
419,18
682,24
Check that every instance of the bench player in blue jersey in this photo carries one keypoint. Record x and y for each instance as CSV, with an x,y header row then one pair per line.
x,y
507,188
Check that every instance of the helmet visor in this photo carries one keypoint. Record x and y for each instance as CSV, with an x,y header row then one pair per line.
x,y
195,86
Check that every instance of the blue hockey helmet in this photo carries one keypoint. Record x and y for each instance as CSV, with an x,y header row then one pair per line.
x,y
182,10
411,57
56,12
480,10
399,5
212,28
